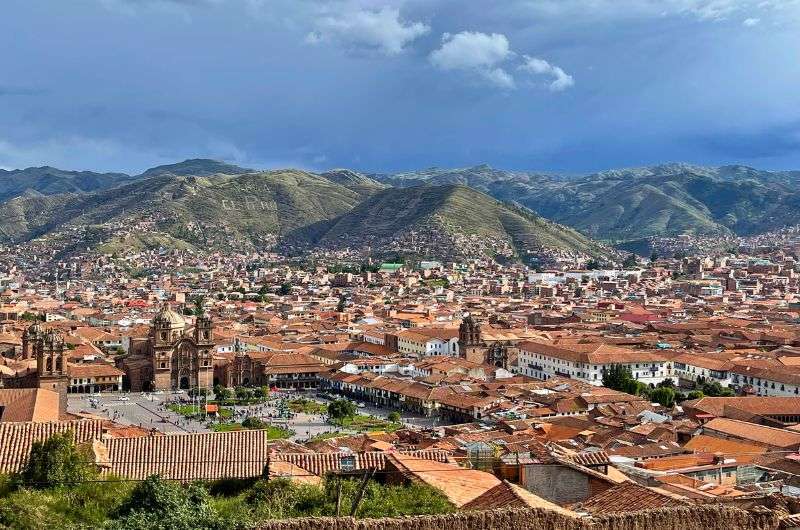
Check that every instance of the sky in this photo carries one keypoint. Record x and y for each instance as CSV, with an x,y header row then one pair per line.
x,y
570,86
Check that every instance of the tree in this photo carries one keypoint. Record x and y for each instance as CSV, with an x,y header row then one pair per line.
x,y
56,461
667,383
222,393
714,389
198,302
694,394
194,392
630,262
243,393
285,289
156,504
616,376
254,423
341,408
340,307
394,417
664,396
654,256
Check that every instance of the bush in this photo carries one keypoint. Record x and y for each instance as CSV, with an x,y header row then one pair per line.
x,y
56,462
394,417
160,504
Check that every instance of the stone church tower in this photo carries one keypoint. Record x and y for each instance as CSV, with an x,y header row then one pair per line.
x,y
47,347
470,345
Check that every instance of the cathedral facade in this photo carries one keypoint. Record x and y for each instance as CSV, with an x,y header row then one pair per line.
x,y
173,356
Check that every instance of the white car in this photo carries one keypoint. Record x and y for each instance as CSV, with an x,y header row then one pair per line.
x,y
124,398
360,405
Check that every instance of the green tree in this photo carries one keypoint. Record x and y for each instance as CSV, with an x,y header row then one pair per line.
x,y
694,394
243,393
285,289
714,389
159,504
340,307
664,396
615,376
667,383
394,417
56,461
341,409
630,262
654,256
254,423
198,302
222,393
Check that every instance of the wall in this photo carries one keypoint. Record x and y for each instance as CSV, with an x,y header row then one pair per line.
x,y
556,483
691,518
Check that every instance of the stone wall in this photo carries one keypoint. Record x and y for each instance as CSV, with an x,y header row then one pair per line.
x,y
689,518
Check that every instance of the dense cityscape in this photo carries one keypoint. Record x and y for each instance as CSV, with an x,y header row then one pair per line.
x,y
667,381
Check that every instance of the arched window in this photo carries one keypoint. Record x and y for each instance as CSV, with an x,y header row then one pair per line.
x,y
59,363
49,365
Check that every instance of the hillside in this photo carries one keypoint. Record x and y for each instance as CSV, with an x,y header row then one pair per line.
x,y
50,181
451,219
638,203
217,211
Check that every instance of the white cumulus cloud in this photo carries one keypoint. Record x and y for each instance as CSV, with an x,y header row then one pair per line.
x,y
750,22
558,78
478,52
381,30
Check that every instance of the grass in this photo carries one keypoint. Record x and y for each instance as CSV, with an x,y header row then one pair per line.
x,y
365,423
273,432
191,411
307,406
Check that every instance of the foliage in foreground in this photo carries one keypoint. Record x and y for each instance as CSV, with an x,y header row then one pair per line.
x,y
157,504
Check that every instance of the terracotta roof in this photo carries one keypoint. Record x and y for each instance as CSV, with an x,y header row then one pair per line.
x,y
507,494
629,497
461,486
28,404
764,405
761,434
740,450
16,439
188,457
321,463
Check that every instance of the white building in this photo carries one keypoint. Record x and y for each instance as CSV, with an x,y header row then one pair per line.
x,y
425,342
588,362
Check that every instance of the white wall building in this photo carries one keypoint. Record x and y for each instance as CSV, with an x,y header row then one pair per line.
x,y
587,362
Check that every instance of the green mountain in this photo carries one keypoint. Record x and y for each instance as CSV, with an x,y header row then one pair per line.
x,y
217,211
632,204
197,167
452,220
49,181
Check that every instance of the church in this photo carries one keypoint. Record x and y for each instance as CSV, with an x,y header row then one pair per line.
x,y
473,347
173,356
50,372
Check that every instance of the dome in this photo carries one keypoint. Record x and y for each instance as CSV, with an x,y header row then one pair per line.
x,y
166,314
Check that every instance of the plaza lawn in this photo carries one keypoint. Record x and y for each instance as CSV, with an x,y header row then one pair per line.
x,y
307,406
273,432
365,423
191,411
